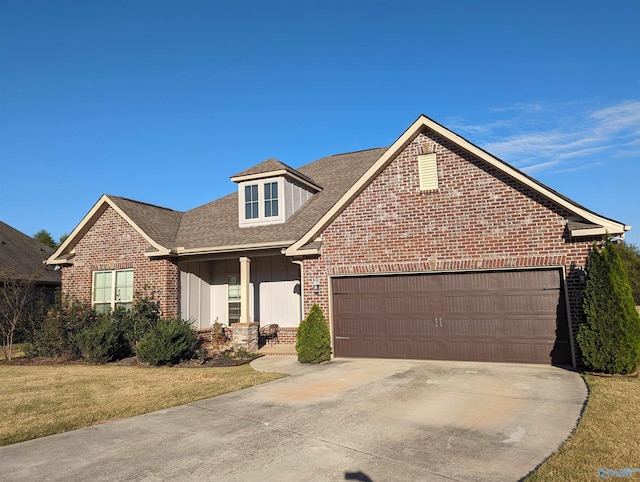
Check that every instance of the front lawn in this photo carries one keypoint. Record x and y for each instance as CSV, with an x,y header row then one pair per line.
x,y
45,400
606,439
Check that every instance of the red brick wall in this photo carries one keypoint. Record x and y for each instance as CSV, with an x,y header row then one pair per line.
x,y
477,219
111,243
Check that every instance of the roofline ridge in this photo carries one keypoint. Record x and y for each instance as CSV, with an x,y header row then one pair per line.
x,y
113,196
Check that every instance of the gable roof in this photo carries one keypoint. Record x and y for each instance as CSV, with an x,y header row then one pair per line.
x,y
599,224
214,227
23,256
338,179
157,225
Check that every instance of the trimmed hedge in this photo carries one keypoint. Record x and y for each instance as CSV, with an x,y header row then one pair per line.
x,y
314,340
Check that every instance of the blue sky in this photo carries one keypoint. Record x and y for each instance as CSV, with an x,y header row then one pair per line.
x,y
162,101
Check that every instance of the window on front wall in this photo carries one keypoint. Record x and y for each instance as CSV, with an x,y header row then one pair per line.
x,y
233,295
112,289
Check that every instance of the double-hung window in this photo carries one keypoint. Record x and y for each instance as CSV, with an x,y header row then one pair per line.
x,y
251,202
111,289
270,199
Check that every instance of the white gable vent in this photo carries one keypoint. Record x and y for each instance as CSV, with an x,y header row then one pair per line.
x,y
428,170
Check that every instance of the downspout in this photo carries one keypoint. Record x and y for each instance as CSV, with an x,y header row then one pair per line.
x,y
299,263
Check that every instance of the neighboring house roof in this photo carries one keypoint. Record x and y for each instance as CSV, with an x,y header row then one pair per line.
x,y
23,256
338,179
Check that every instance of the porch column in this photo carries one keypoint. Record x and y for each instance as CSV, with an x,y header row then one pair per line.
x,y
245,264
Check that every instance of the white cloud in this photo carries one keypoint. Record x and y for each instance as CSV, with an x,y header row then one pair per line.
x,y
563,138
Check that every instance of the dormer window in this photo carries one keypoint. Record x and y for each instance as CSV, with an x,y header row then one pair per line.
x,y
271,192
251,202
270,199
261,202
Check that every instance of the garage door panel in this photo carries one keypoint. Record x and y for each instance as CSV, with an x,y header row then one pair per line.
x,y
491,316
469,304
410,304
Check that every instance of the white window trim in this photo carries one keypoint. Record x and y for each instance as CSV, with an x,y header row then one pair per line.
x,y
113,302
261,220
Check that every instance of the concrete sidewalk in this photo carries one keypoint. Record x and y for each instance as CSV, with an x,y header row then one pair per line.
x,y
343,420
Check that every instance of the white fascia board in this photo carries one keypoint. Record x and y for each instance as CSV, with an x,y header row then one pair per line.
x,y
88,221
598,231
397,146
422,122
497,163
94,212
301,252
181,251
281,172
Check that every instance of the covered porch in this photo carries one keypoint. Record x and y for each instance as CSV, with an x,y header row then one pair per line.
x,y
242,292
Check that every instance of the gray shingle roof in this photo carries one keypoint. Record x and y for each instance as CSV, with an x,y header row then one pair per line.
x,y
273,165
23,255
160,224
216,223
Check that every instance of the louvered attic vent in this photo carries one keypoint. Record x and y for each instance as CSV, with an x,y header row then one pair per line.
x,y
428,170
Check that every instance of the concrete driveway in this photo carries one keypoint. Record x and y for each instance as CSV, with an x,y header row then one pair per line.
x,y
350,419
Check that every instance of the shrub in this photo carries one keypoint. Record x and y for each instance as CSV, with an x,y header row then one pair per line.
x,y
167,343
137,321
630,256
58,335
314,342
104,341
609,338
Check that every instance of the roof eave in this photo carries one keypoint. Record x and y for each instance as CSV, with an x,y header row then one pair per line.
x,y
87,222
600,231
181,251
280,172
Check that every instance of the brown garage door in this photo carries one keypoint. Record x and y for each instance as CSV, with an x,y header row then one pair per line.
x,y
510,316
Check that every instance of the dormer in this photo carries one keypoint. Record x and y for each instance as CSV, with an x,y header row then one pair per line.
x,y
271,192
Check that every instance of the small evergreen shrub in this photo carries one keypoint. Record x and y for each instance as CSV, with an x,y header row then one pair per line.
x,y
609,337
313,341
167,343
104,341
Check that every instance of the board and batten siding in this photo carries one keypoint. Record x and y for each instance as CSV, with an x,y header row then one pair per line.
x,y
294,196
274,291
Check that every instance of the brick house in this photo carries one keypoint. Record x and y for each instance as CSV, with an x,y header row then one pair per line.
x,y
431,248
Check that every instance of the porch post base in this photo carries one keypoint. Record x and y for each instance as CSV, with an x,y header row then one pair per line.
x,y
245,335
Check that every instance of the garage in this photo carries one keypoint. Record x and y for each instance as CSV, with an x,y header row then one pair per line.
x,y
506,316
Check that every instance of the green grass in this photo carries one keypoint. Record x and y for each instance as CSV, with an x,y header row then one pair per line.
x,y
43,400
607,436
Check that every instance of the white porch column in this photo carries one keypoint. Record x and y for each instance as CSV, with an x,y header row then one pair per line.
x,y
245,265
